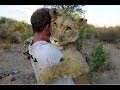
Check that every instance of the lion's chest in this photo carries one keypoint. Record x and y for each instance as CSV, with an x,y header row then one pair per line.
x,y
76,56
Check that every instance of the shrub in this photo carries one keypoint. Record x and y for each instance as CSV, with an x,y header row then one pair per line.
x,y
86,32
13,30
8,36
14,39
90,31
4,44
21,26
97,58
3,34
26,35
2,20
82,36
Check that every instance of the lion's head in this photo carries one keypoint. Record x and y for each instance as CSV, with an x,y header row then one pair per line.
x,y
64,29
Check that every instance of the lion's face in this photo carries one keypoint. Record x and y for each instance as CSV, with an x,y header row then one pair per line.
x,y
63,28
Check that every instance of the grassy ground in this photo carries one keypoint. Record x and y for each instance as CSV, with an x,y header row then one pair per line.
x,y
4,44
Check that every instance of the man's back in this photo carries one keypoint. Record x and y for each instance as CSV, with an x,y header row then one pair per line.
x,y
46,55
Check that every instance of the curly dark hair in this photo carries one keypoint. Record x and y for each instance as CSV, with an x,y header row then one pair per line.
x,y
39,19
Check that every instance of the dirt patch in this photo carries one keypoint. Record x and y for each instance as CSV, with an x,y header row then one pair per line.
x,y
14,69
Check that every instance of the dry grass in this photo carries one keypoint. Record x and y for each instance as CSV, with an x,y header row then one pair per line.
x,y
110,34
4,44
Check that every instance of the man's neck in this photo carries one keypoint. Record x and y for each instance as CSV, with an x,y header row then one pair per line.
x,y
40,37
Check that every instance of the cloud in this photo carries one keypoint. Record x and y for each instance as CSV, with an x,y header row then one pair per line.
x,y
27,10
18,12
104,20
103,15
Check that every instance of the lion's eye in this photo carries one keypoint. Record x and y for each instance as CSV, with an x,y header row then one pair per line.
x,y
81,19
55,24
68,28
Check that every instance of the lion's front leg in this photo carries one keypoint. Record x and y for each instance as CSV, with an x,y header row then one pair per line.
x,y
82,79
66,69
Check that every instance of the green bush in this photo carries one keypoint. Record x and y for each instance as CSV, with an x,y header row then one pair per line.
x,y
5,35
82,36
90,31
14,39
21,26
13,31
86,32
26,35
97,58
2,20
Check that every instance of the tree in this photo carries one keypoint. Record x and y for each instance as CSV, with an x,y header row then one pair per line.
x,y
2,20
74,10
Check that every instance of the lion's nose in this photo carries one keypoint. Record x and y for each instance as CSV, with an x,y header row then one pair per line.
x,y
55,41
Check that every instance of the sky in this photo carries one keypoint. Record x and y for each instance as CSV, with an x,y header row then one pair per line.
x,y
98,15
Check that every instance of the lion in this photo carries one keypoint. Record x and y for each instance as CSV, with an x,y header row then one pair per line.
x,y
65,34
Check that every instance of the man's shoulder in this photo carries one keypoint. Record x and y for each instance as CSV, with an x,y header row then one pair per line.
x,y
46,47
46,51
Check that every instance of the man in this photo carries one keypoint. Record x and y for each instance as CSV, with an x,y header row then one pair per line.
x,y
42,52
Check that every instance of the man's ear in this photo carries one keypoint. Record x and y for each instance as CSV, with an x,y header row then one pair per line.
x,y
47,27
80,22
53,13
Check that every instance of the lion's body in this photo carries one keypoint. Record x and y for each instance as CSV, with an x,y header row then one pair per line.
x,y
74,54
65,34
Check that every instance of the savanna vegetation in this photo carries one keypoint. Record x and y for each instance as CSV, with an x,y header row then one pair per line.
x,y
13,31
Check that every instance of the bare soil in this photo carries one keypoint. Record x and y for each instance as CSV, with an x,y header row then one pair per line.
x,y
14,69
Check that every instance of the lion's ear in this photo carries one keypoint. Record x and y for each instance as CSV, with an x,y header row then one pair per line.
x,y
80,22
53,13
71,36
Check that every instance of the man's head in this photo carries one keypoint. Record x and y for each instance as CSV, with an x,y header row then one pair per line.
x,y
41,20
